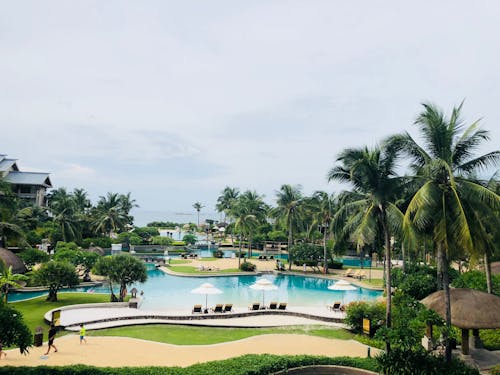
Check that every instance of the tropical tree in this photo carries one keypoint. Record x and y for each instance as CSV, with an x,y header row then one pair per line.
x,y
441,166
56,275
226,200
13,330
245,222
198,206
110,215
288,211
123,269
63,208
81,201
325,207
9,280
369,206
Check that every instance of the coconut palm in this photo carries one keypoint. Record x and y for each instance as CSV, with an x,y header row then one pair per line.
x,y
109,215
325,208
245,223
226,200
198,206
288,211
8,280
82,202
441,166
369,206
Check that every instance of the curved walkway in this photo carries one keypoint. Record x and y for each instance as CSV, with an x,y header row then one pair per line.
x,y
102,351
98,316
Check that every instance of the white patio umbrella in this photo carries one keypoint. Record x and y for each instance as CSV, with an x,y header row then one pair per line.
x,y
206,289
342,286
263,284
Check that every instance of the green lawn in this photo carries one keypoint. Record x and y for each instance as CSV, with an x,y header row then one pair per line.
x,y
179,261
186,335
194,270
374,282
34,309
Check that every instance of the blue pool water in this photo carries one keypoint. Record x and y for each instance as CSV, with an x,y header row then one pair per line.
x,y
162,291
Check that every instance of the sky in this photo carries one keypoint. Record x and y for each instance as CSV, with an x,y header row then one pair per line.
x,y
174,100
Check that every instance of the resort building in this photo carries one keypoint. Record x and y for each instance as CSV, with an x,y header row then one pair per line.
x,y
30,186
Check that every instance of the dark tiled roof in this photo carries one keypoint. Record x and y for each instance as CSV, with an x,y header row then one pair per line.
x,y
29,178
13,260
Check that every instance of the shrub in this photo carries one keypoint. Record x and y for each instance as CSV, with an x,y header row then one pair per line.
x,y
419,362
334,265
248,267
477,280
104,242
490,338
218,253
32,256
247,364
162,241
356,311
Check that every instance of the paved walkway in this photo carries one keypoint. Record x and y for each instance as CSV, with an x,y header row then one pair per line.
x,y
122,351
107,317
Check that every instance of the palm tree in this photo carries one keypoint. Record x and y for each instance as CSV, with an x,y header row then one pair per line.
x,y
288,211
325,208
8,280
226,200
369,205
198,206
441,166
254,205
64,211
109,215
245,222
82,202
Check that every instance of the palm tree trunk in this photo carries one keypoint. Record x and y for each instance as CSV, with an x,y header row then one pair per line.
x,y
403,256
388,288
443,260
487,269
239,255
290,260
325,261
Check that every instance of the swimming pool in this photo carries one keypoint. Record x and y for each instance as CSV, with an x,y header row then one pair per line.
x,y
163,291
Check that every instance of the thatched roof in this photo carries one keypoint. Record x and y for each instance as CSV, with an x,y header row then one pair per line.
x,y
13,260
96,249
470,309
495,268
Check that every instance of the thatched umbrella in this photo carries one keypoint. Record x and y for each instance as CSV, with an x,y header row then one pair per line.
x,y
495,268
470,309
13,260
96,249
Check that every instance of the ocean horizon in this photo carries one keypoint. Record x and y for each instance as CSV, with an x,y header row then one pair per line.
x,y
143,217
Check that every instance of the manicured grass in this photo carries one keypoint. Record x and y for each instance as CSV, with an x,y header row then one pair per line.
x,y
195,271
186,335
211,259
179,261
374,282
34,309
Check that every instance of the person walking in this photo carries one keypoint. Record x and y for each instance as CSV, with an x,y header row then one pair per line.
x,y
1,351
52,336
82,334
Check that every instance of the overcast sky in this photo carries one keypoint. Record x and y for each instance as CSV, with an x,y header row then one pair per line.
x,y
174,100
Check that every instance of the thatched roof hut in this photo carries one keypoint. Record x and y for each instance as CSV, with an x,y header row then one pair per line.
x,y
11,259
470,309
495,268
96,249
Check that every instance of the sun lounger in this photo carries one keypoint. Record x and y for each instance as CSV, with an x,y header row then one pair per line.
x,y
273,305
348,273
197,309
228,307
335,306
218,308
254,306
361,274
282,306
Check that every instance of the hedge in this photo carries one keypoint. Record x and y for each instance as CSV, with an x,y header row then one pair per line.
x,y
250,364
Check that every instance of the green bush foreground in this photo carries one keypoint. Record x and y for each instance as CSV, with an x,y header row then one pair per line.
x,y
250,364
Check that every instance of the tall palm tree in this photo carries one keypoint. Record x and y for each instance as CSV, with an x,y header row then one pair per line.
x,y
254,205
226,200
245,222
288,211
441,166
198,206
109,215
82,202
369,205
325,208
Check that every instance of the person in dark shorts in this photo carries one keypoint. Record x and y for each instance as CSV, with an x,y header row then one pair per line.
x,y
52,336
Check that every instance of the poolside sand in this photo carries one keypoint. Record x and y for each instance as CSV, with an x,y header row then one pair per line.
x,y
123,351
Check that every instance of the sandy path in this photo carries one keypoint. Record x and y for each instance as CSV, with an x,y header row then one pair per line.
x,y
123,351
